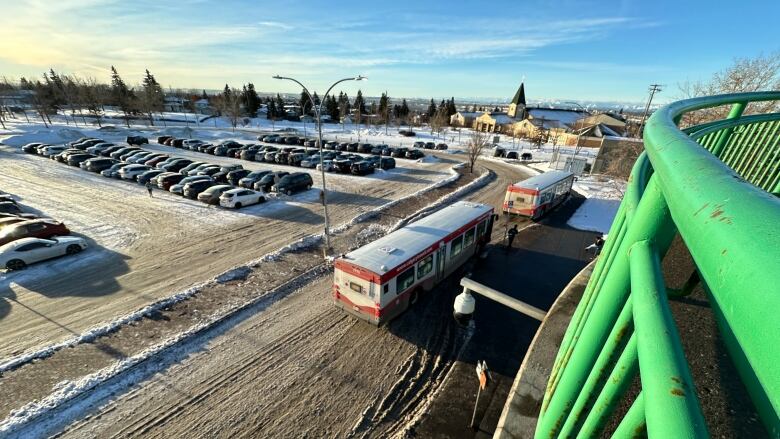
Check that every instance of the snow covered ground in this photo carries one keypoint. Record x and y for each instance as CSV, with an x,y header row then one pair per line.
x,y
603,195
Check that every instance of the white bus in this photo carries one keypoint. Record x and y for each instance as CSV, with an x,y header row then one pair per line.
x,y
539,194
380,280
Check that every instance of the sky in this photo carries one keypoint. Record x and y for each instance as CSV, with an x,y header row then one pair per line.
x,y
578,50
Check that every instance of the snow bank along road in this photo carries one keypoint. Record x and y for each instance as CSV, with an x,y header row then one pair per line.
x,y
143,249
299,368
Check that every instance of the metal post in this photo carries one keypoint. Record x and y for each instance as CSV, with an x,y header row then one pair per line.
x,y
517,305
476,404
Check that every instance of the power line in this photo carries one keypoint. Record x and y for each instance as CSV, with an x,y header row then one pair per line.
x,y
653,89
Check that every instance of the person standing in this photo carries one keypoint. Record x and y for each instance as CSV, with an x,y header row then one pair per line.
x,y
149,187
511,233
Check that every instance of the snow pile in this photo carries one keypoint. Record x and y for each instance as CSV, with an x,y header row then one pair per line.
x,y
429,159
603,196
53,136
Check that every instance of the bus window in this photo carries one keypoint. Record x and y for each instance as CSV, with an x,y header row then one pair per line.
x,y
456,246
356,287
404,280
387,288
481,228
468,238
424,267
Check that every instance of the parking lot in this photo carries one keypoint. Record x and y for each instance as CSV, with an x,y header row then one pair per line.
x,y
142,248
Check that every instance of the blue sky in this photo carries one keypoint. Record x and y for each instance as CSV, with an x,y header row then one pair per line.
x,y
609,50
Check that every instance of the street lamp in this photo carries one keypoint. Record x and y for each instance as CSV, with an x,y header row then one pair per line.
x,y
318,115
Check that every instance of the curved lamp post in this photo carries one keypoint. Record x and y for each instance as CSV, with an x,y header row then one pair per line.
x,y
318,113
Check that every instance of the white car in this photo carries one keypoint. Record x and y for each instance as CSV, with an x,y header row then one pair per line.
x,y
20,253
237,198
327,165
131,172
52,150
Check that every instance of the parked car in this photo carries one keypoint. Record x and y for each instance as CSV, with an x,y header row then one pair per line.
x,y
31,148
64,155
185,170
138,158
399,152
441,146
157,160
386,163
388,152
362,168
343,165
176,165
419,144
50,150
499,152
295,159
212,194
107,152
526,156
310,162
192,189
233,177
512,155
136,140
238,198
407,133
113,171
327,166
292,183
249,180
249,153
9,207
131,172
166,180
178,143
352,147
99,164
169,141
281,157
268,180
19,254
35,228
148,176
414,154
430,145
77,159
365,148
99,148
122,151
7,221
178,188
208,170
161,139
128,155
196,169
330,145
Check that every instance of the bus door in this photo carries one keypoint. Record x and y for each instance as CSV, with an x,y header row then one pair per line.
x,y
489,230
440,254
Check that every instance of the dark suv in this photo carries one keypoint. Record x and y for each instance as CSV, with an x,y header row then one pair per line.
x,y
362,168
295,182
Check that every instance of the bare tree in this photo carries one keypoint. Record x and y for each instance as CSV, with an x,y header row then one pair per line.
x,y
230,105
744,75
92,98
477,142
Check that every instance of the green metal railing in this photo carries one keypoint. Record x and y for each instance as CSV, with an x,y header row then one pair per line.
x,y
715,184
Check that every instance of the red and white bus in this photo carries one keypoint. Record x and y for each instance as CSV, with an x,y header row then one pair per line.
x,y
539,194
380,280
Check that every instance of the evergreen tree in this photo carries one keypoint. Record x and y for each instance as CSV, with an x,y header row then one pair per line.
x,y
305,103
280,113
204,95
404,109
360,104
431,110
153,98
271,114
451,108
332,108
121,95
250,99
384,107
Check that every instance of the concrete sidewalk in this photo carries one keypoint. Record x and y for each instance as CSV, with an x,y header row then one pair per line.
x,y
545,257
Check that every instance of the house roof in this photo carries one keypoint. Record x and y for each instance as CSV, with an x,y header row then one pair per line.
x,y
598,130
564,116
519,98
602,118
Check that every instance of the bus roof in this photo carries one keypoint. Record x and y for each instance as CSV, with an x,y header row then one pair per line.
x,y
541,181
392,250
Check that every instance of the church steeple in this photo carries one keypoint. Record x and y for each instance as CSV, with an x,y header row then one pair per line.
x,y
518,103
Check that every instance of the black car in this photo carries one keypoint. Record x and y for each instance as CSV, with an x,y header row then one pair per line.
x,y
267,181
111,149
161,139
526,156
233,177
249,180
353,147
430,145
342,146
177,165
295,159
512,155
441,146
386,163
178,143
9,207
414,154
295,182
165,182
148,175
76,159
499,152
362,168
113,171
388,151
122,151
330,145
86,144
399,152
31,148
343,165
136,140
281,157
99,164
191,190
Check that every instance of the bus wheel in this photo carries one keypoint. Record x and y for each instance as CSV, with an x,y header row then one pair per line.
x,y
414,297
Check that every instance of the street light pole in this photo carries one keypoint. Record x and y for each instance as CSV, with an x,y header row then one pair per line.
x,y
318,115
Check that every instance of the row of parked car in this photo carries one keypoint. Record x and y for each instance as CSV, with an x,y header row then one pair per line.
x,y
431,145
304,157
25,238
206,182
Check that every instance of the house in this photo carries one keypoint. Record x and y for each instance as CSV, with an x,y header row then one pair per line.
x,y
464,118
612,121
501,122
531,128
202,106
346,119
173,104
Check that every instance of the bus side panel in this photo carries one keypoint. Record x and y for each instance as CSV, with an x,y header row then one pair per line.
x,y
357,296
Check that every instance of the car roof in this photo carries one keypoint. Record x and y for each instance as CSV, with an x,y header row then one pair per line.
x,y
237,190
22,241
217,187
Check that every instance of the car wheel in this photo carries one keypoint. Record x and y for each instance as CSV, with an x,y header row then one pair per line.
x,y
73,249
308,187
15,264
238,205
289,192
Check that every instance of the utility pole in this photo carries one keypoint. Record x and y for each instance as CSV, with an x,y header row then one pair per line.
x,y
654,88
